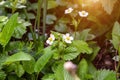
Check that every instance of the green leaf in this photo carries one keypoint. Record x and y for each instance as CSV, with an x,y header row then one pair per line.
x,y
50,19
8,30
19,70
29,66
59,72
19,31
82,46
2,75
104,75
116,35
108,5
2,60
48,77
70,49
95,49
70,56
84,34
31,16
20,56
61,27
51,4
82,69
42,61
67,75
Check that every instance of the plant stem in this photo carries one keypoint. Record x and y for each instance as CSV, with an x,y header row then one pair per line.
x,y
44,17
33,34
39,13
3,50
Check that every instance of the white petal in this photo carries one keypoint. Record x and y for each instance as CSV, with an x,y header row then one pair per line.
x,y
48,41
64,36
71,38
52,36
67,34
83,15
68,41
69,10
51,43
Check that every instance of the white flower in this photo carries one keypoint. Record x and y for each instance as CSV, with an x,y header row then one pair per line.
x,y
83,13
50,39
67,38
69,10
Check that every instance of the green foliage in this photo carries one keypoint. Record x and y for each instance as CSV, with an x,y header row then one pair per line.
x,y
19,70
104,75
8,30
82,46
116,35
82,69
43,60
2,75
48,77
70,53
61,27
59,73
50,19
20,56
33,59
67,75
29,66
20,29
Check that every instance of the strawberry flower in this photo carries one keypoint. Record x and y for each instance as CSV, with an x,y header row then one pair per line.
x,y
50,39
83,13
67,38
69,10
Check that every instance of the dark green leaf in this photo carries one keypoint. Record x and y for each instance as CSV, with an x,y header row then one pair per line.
x,y
2,75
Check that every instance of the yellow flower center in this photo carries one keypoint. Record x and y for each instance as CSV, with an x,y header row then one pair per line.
x,y
50,39
83,12
68,38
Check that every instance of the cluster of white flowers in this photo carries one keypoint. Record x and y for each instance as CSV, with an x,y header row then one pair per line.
x,y
66,37
81,13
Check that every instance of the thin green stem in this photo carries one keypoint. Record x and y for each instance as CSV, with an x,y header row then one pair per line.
x,y
39,13
3,50
33,34
44,16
